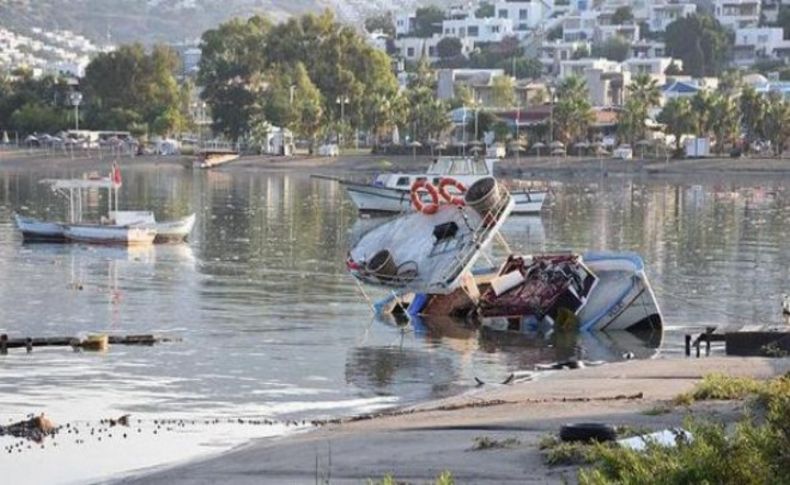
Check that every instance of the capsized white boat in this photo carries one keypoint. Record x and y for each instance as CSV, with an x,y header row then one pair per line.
x,y
34,230
174,231
430,253
390,192
110,234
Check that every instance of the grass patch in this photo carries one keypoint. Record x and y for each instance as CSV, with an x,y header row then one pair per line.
x,y
559,453
722,387
658,410
751,452
487,443
444,478
575,453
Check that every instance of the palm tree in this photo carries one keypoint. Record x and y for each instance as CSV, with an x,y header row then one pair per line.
x,y
573,112
777,122
702,106
753,108
678,116
643,94
725,120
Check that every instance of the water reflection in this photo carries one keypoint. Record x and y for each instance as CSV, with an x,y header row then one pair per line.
x,y
273,326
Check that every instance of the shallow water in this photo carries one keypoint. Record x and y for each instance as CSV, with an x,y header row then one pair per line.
x,y
273,327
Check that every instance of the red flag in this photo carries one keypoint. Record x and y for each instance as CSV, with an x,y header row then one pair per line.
x,y
116,175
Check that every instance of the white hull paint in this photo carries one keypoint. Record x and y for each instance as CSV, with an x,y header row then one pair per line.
x,y
99,234
623,298
373,198
174,231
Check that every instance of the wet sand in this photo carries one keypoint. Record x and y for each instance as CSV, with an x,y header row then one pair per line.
x,y
416,444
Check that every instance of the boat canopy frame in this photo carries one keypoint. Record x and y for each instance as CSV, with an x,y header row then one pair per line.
x,y
73,190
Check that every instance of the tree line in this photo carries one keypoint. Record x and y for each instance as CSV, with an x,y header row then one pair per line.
x,y
127,89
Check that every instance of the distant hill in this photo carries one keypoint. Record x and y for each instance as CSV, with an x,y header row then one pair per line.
x,y
152,21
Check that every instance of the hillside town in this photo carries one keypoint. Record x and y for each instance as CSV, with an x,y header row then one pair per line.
x,y
574,77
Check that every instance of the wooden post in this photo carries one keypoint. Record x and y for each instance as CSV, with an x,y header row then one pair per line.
x,y
707,345
688,345
3,344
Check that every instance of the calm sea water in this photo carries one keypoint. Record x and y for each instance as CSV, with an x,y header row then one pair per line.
x,y
273,327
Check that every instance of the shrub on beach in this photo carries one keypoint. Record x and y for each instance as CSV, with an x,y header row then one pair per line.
x,y
754,451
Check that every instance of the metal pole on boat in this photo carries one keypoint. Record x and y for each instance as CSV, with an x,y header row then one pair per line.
x,y
367,298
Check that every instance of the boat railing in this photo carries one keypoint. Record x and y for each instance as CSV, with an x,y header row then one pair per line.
x,y
481,234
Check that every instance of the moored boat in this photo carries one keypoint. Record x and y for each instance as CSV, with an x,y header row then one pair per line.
x,y
389,192
110,234
34,230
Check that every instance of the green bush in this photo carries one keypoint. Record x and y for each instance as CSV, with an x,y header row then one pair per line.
x,y
752,452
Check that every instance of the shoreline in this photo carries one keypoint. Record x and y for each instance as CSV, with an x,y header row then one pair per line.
x,y
531,168
422,441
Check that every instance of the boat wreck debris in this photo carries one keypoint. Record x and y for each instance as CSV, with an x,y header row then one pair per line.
x,y
214,158
91,342
35,429
427,260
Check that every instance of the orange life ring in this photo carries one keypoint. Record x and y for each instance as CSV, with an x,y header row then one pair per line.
x,y
427,209
443,183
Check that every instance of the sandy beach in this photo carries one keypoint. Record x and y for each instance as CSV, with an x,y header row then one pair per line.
x,y
416,444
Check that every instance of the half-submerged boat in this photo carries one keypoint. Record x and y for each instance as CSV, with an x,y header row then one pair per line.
x,y
427,260
389,192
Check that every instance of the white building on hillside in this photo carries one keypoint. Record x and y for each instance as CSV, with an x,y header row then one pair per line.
x,y
647,48
654,67
662,13
579,26
552,53
629,32
414,48
478,30
737,14
577,67
404,23
524,15
770,9
759,44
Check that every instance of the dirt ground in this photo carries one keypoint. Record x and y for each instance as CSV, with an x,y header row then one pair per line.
x,y
416,444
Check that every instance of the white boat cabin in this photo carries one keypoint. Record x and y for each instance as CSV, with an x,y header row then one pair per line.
x,y
464,170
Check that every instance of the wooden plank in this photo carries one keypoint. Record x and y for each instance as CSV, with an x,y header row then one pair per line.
x,y
28,342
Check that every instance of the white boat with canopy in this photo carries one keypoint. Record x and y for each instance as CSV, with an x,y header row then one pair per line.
x,y
117,227
389,192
